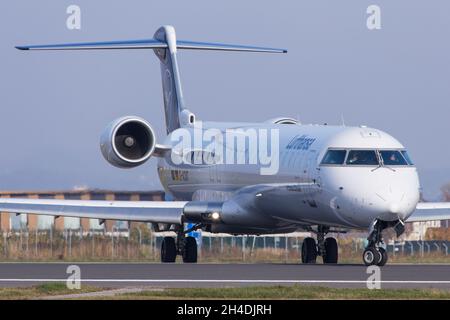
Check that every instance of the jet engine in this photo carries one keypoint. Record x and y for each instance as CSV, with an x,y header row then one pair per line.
x,y
128,142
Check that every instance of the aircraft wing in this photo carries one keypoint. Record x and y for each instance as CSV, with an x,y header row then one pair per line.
x,y
171,212
305,187
429,211
144,211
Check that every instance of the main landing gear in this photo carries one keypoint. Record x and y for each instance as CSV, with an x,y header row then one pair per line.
x,y
327,248
375,254
181,245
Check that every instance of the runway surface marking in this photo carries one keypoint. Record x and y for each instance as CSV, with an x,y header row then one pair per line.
x,y
222,275
96,294
231,281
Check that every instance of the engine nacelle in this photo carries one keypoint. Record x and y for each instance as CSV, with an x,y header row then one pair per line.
x,y
128,142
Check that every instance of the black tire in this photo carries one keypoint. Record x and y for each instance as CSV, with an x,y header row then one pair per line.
x,y
331,251
371,256
309,251
384,257
190,250
168,250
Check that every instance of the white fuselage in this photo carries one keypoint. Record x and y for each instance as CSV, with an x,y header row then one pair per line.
x,y
341,195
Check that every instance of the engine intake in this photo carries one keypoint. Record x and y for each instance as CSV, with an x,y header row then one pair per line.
x,y
128,142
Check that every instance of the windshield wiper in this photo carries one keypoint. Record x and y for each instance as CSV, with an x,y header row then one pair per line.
x,y
381,164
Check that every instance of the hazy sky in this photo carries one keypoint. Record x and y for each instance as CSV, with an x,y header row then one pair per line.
x,y
55,104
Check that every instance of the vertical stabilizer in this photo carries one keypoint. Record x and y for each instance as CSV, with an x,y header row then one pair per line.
x,y
172,93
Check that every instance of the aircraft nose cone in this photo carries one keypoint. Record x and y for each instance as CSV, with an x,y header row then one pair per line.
x,y
398,210
396,204
394,208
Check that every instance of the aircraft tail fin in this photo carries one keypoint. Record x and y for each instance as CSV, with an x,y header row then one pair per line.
x,y
165,46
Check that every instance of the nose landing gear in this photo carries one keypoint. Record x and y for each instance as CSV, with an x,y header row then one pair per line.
x,y
375,254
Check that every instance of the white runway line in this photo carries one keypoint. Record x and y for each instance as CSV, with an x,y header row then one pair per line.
x,y
232,281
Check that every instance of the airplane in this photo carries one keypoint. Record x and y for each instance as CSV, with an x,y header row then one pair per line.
x,y
328,179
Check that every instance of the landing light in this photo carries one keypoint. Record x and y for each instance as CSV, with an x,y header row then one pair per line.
x,y
215,216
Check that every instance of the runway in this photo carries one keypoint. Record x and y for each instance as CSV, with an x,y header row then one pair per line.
x,y
115,275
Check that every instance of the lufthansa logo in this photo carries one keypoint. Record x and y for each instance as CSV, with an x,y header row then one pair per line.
x,y
300,143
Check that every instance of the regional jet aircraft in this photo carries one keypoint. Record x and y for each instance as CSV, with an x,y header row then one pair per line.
x,y
323,179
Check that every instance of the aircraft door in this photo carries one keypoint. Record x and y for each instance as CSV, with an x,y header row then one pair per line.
x,y
311,167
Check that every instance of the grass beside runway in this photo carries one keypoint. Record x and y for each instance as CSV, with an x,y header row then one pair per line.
x,y
287,292
40,247
41,291
59,290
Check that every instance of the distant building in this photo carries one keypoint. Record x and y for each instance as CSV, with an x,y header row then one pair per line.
x,y
417,230
12,221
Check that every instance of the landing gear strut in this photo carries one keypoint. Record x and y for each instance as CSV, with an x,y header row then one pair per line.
x,y
375,254
325,247
181,245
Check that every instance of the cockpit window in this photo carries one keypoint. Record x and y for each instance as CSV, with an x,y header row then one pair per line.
x,y
339,157
392,158
334,157
406,156
362,157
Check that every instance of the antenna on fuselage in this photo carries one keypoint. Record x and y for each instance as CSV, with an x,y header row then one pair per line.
x,y
342,120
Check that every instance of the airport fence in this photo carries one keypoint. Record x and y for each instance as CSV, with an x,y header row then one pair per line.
x,y
141,244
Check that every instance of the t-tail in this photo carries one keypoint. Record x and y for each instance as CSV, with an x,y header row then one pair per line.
x,y
165,46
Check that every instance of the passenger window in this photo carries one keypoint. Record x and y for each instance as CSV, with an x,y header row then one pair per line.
x,y
406,156
393,158
362,157
334,157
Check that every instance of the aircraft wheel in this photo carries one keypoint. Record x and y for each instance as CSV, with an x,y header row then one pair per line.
x,y
309,251
168,250
331,251
371,256
190,250
384,257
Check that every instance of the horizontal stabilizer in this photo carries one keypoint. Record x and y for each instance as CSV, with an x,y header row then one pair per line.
x,y
430,211
150,44
127,44
225,47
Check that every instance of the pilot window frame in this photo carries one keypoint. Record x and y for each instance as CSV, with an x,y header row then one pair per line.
x,y
407,157
409,162
375,151
334,164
